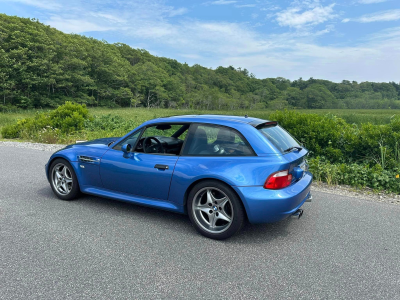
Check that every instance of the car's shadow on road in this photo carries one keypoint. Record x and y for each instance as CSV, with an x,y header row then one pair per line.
x,y
179,223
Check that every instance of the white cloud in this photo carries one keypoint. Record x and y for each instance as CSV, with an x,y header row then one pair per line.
x,y
75,25
110,18
43,4
307,59
387,15
192,56
273,7
370,1
293,17
178,12
245,5
381,16
220,2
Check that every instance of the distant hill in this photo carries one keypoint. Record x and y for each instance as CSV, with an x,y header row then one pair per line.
x,y
43,67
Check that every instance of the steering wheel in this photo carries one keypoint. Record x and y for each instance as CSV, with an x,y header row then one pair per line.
x,y
148,145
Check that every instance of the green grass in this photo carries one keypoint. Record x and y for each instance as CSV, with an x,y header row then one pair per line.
x,y
139,115
374,116
11,118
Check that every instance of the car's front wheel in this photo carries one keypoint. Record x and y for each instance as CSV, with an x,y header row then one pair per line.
x,y
63,180
215,210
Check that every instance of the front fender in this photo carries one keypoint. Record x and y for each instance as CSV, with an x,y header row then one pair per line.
x,y
88,173
67,154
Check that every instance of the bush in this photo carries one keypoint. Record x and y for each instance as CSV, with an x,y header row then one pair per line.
x,y
339,142
358,175
66,118
69,117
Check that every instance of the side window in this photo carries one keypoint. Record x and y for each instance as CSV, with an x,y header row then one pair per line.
x,y
129,140
163,138
211,140
167,130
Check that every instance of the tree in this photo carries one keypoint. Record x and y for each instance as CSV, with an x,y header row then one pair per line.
x,y
295,97
317,96
43,67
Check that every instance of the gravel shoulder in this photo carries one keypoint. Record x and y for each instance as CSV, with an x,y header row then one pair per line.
x,y
35,146
365,193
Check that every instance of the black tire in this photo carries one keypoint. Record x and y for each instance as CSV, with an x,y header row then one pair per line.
x,y
73,191
202,217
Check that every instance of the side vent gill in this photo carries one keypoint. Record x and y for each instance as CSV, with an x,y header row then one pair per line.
x,y
88,159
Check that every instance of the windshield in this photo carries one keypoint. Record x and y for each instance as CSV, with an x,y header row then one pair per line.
x,y
279,137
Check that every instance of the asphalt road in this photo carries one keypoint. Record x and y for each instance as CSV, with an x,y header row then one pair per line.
x,y
94,248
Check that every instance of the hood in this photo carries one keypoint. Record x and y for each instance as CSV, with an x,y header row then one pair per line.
x,y
98,143
102,141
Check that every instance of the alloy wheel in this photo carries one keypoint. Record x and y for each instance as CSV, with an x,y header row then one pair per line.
x,y
62,179
212,210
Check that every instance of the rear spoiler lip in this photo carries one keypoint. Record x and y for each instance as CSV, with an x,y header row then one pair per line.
x,y
264,124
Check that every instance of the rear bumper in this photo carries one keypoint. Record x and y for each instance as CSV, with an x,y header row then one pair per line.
x,y
266,206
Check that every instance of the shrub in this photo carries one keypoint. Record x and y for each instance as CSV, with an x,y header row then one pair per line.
x,y
358,175
339,142
66,118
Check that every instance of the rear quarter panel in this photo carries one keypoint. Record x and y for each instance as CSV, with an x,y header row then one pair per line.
x,y
234,171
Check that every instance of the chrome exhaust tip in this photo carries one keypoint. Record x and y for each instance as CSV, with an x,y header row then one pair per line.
x,y
298,213
309,199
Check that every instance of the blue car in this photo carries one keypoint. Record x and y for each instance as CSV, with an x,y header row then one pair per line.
x,y
220,170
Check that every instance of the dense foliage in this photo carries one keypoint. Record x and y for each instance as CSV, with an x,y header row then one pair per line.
x,y
341,153
43,67
340,142
358,175
47,126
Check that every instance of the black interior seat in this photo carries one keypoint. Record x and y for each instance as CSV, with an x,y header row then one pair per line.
x,y
224,136
199,143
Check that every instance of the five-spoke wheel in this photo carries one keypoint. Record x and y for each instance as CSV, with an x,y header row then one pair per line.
x,y
63,180
215,210
212,209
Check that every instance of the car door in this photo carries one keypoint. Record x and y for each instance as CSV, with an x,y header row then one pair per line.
x,y
137,173
147,175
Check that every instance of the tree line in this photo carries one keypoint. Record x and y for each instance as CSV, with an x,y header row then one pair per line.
x,y
43,67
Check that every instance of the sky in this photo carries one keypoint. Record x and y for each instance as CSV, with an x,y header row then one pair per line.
x,y
334,40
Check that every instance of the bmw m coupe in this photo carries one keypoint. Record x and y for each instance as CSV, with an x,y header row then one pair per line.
x,y
220,170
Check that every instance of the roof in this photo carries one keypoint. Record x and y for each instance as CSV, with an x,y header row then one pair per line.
x,y
214,119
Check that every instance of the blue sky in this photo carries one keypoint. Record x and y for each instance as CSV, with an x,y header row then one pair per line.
x,y
335,40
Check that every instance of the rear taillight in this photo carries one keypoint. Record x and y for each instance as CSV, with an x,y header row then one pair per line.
x,y
278,180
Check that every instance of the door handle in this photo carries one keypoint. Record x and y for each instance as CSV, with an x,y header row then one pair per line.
x,y
162,167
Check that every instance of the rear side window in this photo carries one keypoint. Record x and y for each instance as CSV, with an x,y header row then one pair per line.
x,y
211,140
279,137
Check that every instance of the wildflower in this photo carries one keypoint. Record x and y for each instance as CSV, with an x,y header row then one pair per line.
x,y
397,176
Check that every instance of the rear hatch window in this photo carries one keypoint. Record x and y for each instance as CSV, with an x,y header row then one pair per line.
x,y
288,146
279,137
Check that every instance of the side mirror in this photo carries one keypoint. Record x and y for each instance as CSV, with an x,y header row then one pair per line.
x,y
126,148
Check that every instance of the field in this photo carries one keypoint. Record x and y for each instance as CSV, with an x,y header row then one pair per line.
x,y
357,116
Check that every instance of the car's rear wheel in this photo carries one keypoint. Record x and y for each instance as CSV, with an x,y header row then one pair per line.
x,y
215,210
63,180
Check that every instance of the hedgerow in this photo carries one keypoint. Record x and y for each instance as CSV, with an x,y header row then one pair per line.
x,y
339,142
